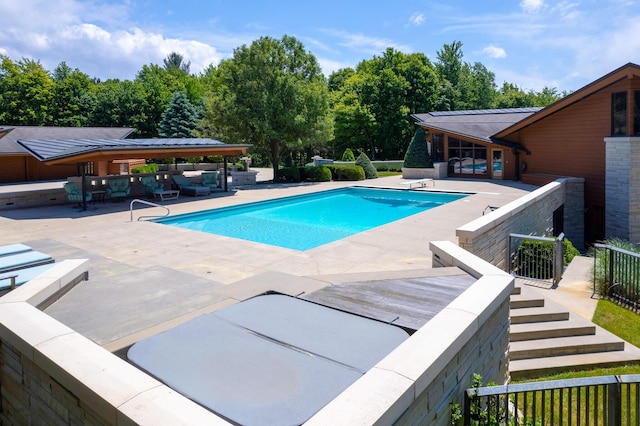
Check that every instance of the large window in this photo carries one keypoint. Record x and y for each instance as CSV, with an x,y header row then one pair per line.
x,y
619,114
467,158
636,113
437,147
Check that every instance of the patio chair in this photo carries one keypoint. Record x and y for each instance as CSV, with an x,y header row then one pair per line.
x,y
23,260
74,194
188,188
151,185
209,179
118,188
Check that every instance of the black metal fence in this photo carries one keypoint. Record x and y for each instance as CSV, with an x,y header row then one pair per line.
x,y
605,400
536,258
616,275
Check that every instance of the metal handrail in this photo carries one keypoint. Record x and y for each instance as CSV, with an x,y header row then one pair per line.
x,y
149,203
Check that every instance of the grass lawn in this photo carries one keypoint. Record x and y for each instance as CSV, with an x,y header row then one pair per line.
x,y
385,174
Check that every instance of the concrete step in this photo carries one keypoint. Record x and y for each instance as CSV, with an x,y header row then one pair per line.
x,y
538,314
559,346
574,326
536,367
519,302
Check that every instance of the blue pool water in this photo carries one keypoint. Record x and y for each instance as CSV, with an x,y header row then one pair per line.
x,y
307,221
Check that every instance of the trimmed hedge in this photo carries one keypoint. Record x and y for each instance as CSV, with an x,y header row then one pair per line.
x,y
289,174
148,168
317,174
536,257
348,155
346,172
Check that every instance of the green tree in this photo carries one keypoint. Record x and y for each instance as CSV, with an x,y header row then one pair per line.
x,y
175,62
74,97
180,119
119,104
417,154
26,93
271,94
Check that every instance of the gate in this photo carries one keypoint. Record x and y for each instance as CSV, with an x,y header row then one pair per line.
x,y
536,258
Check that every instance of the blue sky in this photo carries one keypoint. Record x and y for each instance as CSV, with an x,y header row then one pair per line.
x,y
532,43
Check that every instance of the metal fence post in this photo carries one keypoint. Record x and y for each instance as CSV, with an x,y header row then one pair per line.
x,y
614,414
558,259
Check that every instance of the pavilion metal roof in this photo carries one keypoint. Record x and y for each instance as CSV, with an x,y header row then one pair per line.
x,y
53,151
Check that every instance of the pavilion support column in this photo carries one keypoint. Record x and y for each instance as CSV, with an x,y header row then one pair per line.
x,y
224,174
622,186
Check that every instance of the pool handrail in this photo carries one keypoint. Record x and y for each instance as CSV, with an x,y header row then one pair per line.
x,y
149,203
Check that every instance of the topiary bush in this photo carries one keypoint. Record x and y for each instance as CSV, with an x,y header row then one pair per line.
x,y
370,171
346,172
348,155
317,174
289,174
417,156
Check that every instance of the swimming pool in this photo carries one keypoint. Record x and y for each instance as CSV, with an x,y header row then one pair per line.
x,y
307,221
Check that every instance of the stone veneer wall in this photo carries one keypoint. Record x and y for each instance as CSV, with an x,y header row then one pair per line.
x,y
487,237
622,186
49,374
438,171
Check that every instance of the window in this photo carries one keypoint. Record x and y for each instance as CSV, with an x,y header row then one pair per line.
x,y
636,113
619,114
437,150
467,158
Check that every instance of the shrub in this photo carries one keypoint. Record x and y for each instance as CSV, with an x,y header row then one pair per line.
x,y
348,155
536,257
317,174
148,168
382,168
289,174
417,156
346,172
363,161
601,273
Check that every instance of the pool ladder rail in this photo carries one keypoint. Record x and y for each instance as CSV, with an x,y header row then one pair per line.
x,y
148,203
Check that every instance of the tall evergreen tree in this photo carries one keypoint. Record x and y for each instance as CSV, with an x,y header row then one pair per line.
x,y
180,119
417,156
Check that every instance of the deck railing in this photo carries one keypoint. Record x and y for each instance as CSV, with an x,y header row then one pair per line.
x,y
605,400
616,275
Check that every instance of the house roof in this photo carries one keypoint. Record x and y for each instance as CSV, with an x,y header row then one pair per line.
x,y
627,71
9,135
58,151
478,124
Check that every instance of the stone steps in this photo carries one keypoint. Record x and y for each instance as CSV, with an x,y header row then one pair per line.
x,y
546,338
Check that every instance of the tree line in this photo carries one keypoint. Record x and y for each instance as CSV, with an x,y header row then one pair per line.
x,y
271,94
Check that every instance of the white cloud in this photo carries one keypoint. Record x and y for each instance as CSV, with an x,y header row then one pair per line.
x,y
366,44
531,6
417,19
329,66
494,52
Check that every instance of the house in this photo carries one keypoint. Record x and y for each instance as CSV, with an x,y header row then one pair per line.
x,y
17,164
593,133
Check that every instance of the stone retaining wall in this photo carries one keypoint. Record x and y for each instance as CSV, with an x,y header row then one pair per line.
x,y
487,237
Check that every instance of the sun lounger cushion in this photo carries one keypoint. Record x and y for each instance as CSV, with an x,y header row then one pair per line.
x,y
23,260
24,275
13,249
188,188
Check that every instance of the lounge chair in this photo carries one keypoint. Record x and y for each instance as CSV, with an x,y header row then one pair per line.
x,y
151,185
13,249
23,260
74,194
209,179
13,279
118,188
188,188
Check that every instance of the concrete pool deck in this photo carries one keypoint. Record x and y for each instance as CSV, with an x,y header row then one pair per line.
x,y
145,275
